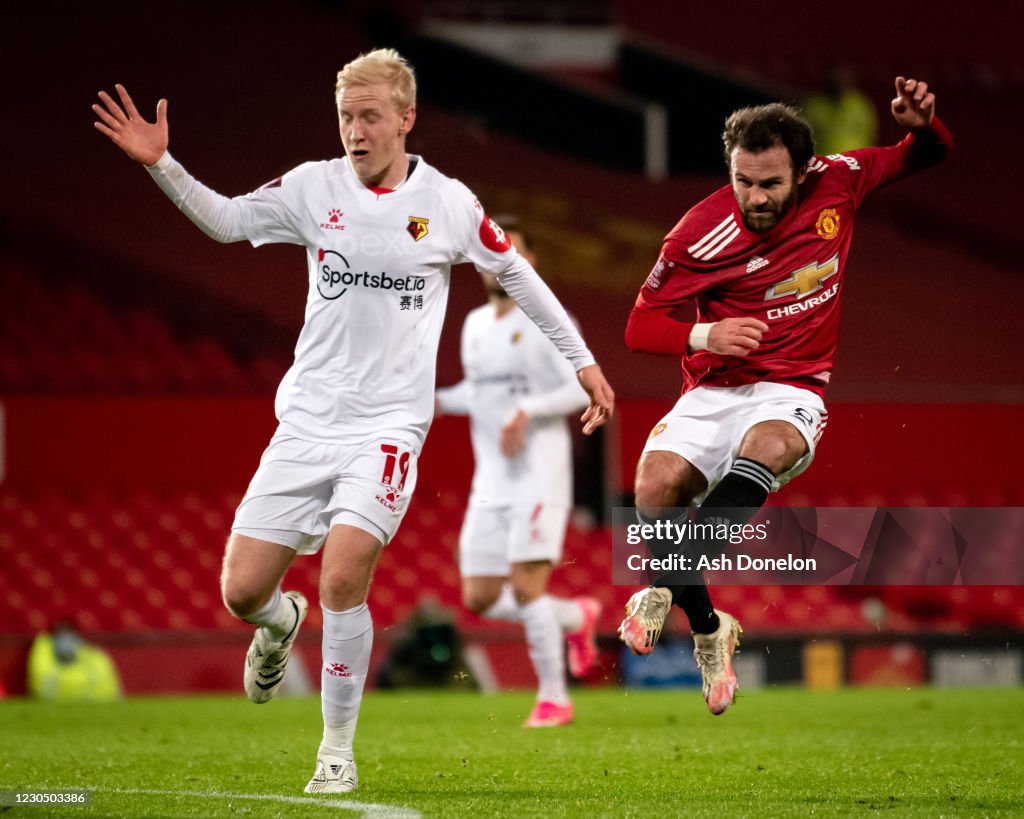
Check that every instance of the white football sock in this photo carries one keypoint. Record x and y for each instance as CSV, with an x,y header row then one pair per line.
x,y
568,613
348,639
504,608
544,642
277,617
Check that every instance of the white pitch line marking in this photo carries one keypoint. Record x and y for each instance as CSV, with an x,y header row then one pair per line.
x,y
369,809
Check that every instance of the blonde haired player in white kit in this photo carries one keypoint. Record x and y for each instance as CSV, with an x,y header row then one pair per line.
x,y
381,230
517,391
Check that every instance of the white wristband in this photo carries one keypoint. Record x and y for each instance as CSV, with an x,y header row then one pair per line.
x,y
698,339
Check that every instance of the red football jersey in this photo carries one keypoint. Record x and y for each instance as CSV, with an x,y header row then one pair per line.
x,y
790,277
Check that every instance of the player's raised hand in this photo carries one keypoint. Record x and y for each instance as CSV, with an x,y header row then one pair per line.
x,y
914,105
602,398
736,336
143,141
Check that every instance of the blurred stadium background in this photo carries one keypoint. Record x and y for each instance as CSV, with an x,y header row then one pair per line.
x,y
138,359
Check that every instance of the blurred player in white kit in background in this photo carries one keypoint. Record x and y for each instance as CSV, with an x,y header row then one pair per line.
x,y
517,390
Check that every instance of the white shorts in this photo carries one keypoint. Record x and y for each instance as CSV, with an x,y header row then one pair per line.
x,y
493,538
707,424
301,489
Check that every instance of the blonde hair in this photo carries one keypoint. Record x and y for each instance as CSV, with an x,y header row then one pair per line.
x,y
381,65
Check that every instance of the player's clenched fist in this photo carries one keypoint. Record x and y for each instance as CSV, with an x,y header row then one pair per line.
x,y
914,105
736,336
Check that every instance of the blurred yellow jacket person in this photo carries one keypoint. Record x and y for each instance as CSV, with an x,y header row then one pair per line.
x,y
63,668
842,117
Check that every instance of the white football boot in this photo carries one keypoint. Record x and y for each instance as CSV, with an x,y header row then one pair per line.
x,y
645,617
713,653
266,660
334,774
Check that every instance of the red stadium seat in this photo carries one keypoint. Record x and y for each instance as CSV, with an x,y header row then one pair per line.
x,y
145,561
62,338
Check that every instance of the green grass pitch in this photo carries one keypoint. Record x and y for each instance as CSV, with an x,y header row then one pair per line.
x,y
784,752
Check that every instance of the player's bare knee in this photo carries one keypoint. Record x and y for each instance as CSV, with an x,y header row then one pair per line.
x,y
529,580
654,492
478,601
340,590
665,480
526,589
776,444
526,593
241,601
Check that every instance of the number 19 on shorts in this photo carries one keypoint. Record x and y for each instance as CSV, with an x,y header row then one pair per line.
x,y
395,457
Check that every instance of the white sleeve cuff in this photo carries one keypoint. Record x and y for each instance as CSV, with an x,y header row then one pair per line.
x,y
699,337
162,163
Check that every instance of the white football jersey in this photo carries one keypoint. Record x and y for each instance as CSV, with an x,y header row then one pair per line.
x,y
379,267
510,364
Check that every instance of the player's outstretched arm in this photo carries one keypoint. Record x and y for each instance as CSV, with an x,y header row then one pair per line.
x,y
143,141
221,218
602,398
913,106
535,298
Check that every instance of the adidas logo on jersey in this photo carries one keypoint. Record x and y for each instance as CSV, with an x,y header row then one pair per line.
x,y
756,263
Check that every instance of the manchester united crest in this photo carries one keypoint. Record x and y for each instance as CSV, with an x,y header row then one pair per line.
x,y
828,223
417,227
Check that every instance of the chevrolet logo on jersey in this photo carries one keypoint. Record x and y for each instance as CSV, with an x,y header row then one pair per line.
x,y
804,281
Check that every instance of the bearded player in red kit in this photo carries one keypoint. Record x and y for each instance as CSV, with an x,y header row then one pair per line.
x,y
764,258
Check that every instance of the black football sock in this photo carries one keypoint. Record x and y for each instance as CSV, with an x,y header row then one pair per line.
x,y
744,488
665,543
735,500
696,603
687,586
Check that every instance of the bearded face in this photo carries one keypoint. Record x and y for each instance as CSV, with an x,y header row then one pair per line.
x,y
765,186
